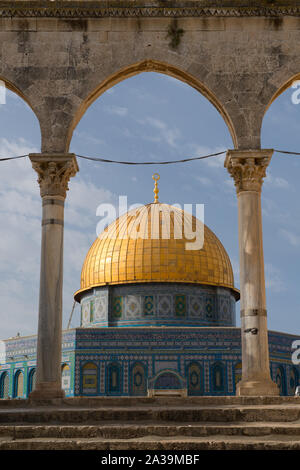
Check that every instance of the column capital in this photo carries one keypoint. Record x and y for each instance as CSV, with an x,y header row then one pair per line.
x,y
248,168
54,172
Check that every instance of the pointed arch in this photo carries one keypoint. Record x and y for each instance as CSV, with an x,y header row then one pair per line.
x,y
89,378
31,380
218,378
4,385
280,379
18,390
114,379
138,379
277,85
195,382
168,379
150,65
24,96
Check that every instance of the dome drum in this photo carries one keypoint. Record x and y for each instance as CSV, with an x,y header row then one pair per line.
x,y
153,304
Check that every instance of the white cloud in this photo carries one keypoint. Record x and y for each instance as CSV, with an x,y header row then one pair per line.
x,y
276,182
83,198
213,162
117,110
229,185
274,281
204,180
167,134
86,137
292,238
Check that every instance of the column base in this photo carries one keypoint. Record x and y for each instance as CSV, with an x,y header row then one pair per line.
x,y
256,388
47,391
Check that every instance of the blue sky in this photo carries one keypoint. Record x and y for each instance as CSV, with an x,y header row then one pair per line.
x,y
147,117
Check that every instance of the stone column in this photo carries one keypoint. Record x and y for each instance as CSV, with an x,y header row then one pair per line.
x,y
248,168
54,172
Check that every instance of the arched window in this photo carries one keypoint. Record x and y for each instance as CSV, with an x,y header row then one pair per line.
x,y
194,379
4,385
19,384
167,381
294,380
218,375
138,380
280,379
65,377
89,379
114,385
31,380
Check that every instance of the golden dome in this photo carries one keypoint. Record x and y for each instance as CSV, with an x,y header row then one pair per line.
x,y
117,257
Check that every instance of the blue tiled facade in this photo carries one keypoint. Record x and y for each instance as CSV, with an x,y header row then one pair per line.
x,y
131,360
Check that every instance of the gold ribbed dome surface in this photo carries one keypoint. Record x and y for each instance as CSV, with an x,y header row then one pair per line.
x,y
117,257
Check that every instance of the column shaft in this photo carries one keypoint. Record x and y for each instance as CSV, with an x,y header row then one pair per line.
x,y
54,173
248,169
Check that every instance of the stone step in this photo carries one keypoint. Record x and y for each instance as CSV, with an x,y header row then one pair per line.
x,y
94,402
156,443
131,431
158,414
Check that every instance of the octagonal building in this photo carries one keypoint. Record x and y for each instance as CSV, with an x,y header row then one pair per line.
x,y
158,300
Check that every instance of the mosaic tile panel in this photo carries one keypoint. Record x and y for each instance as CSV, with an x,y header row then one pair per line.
x,y
210,311
196,307
224,309
86,313
133,306
164,305
149,305
180,305
117,307
101,308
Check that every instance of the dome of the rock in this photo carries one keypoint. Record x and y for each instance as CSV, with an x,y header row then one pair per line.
x,y
157,265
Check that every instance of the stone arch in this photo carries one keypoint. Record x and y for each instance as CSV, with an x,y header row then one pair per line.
x,y
29,100
277,85
149,65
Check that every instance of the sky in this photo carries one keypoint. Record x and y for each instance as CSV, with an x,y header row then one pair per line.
x,y
148,117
